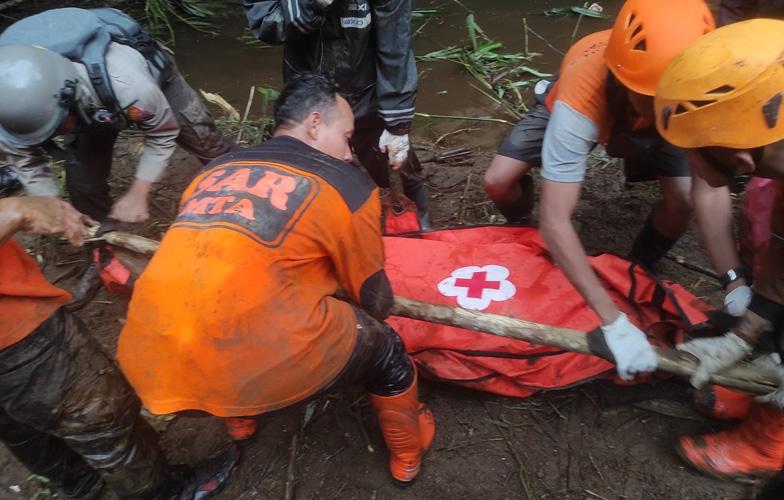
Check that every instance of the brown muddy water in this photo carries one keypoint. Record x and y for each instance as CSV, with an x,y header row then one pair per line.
x,y
225,64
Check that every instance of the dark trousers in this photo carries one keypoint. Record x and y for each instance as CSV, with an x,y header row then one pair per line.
x,y
67,411
90,154
379,362
367,132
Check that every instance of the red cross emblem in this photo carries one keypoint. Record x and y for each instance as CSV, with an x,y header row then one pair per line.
x,y
476,287
477,284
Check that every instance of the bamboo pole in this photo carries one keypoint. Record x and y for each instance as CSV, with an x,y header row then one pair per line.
x,y
744,376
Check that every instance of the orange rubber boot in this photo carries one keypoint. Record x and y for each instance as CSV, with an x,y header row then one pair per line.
x,y
755,448
240,428
721,403
408,428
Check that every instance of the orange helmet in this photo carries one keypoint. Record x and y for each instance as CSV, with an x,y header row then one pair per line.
x,y
726,89
646,36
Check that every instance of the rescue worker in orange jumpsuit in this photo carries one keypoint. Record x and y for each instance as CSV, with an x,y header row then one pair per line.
x,y
238,312
66,412
721,100
604,95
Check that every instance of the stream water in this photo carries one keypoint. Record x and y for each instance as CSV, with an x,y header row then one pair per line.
x,y
226,64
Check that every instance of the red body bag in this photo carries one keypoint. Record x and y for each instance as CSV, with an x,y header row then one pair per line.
x,y
507,271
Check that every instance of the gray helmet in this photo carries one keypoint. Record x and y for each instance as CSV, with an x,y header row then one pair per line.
x,y
37,89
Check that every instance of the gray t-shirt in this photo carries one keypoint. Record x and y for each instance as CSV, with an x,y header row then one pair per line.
x,y
569,138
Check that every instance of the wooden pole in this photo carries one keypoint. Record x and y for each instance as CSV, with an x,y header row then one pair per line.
x,y
744,377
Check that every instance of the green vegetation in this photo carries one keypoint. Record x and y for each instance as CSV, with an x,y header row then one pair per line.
x,y
501,76
160,14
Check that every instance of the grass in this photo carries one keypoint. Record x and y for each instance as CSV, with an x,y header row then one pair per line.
x,y
501,76
161,14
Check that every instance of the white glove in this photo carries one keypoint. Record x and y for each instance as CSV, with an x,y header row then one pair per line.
x,y
630,348
396,147
324,4
738,300
715,354
772,364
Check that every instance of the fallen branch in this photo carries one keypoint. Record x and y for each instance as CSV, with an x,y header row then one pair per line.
x,y
744,376
692,267
471,118
291,476
443,156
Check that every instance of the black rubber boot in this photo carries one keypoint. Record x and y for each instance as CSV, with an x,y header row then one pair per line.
x,y
202,481
650,245
89,488
519,211
419,196
773,490
48,456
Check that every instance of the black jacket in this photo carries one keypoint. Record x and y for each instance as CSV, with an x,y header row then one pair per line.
x,y
365,45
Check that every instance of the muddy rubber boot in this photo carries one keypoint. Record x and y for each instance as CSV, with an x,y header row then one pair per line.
x,y
419,197
408,428
240,428
720,403
773,489
650,245
200,482
519,211
90,488
755,448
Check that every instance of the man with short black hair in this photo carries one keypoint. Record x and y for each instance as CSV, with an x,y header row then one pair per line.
x,y
264,243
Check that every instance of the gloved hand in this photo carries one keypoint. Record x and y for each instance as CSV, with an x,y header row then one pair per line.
x,y
324,4
736,301
630,348
396,147
772,364
715,354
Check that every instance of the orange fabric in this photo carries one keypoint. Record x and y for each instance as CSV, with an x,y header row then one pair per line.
x,y
235,314
582,79
581,84
26,298
240,428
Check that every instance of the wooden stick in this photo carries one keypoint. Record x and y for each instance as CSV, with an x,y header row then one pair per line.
x,y
291,476
138,244
743,377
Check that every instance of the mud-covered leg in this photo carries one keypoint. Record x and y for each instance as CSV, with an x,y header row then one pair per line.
x,y
198,133
99,418
48,456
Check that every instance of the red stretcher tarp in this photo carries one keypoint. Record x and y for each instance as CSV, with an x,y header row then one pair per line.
x,y
508,271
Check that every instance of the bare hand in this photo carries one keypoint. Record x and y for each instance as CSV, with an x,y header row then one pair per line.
x,y
131,207
49,215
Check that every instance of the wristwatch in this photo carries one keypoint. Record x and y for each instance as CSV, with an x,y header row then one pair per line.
x,y
733,274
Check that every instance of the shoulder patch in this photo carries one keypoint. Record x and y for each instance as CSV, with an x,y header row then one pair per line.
x,y
137,114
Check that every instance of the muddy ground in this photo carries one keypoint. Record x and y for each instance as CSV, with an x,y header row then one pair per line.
x,y
596,441
593,441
